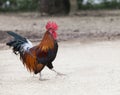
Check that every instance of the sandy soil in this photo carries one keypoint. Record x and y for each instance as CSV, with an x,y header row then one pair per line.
x,y
91,69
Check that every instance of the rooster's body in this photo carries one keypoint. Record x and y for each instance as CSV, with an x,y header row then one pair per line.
x,y
35,58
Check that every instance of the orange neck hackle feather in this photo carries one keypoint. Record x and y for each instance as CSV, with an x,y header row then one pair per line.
x,y
47,42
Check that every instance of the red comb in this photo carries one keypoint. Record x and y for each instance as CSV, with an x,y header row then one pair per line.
x,y
51,25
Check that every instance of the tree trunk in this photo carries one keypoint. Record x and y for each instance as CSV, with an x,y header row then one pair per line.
x,y
74,6
53,7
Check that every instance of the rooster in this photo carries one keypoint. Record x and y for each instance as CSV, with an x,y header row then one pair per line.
x,y
35,58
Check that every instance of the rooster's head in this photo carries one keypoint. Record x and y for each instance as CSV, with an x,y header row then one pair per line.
x,y
52,28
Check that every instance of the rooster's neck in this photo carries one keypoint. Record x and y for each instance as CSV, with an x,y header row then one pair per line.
x,y
47,42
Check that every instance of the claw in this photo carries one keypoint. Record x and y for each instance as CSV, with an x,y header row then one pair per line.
x,y
41,79
61,74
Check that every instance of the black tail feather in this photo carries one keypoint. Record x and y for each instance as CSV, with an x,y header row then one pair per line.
x,y
10,43
17,36
17,42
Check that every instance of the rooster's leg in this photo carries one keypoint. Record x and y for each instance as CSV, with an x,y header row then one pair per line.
x,y
50,66
58,73
40,76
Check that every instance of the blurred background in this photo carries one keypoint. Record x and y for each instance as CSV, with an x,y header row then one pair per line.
x,y
56,6
82,20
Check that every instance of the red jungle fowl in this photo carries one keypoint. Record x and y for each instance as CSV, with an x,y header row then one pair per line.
x,y
35,58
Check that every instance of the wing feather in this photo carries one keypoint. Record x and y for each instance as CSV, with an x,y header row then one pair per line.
x,y
37,57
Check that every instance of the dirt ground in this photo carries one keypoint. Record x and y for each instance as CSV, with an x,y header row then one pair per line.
x,y
88,55
91,69
83,26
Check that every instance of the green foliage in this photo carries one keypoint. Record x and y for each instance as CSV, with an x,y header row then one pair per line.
x,y
79,3
19,5
27,5
106,4
111,5
33,5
